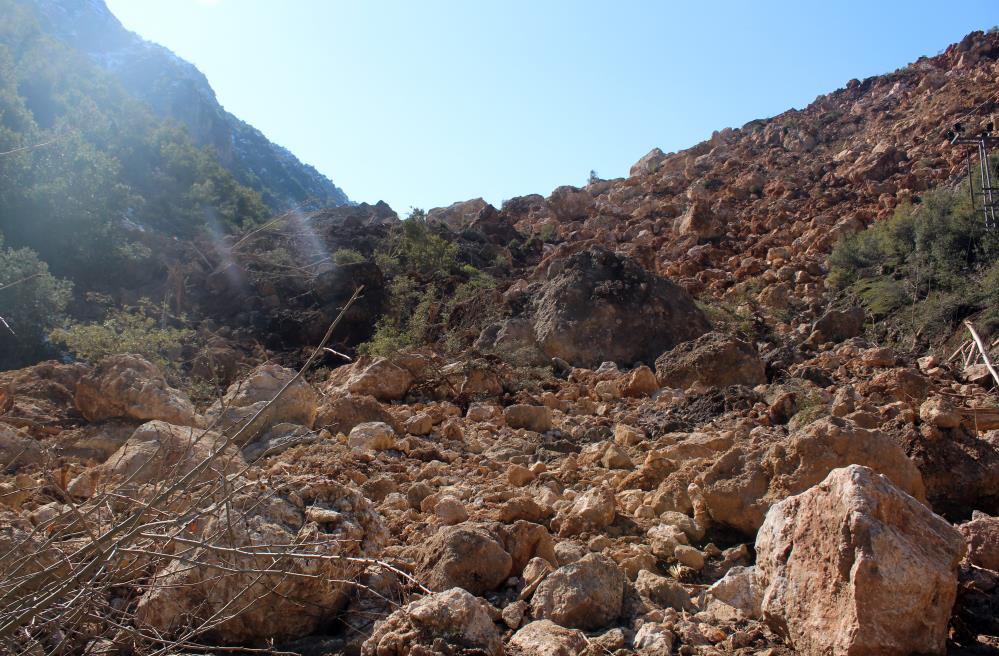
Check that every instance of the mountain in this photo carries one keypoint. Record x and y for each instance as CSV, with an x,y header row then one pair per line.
x,y
175,89
753,212
724,405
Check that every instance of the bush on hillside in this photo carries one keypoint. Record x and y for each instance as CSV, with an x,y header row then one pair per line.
x,y
87,165
140,330
426,283
32,302
345,256
925,269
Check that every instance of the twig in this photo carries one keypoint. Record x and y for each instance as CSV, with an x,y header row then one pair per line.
x,y
981,348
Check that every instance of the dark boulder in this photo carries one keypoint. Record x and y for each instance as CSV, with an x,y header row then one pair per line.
x,y
713,360
838,325
598,305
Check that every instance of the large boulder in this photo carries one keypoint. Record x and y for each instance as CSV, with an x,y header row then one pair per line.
x,y
457,216
700,221
838,325
856,566
592,510
131,387
277,598
712,360
959,468
341,414
586,594
746,480
532,417
649,163
246,397
569,203
18,449
158,451
468,556
43,393
593,298
381,378
454,620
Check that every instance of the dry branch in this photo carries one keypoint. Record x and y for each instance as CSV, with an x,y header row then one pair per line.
x,y
73,581
982,350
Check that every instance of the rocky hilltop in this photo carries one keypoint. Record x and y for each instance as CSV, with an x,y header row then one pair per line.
x,y
637,417
176,89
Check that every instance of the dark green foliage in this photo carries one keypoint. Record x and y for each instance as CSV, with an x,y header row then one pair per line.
x,y
143,330
427,282
86,172
31,303
86,165
416,249
925,269
345,256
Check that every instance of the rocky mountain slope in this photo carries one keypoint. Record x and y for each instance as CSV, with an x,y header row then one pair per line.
x,y
624,419
755,210
175,89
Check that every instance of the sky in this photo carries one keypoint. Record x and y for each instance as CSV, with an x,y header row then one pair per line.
x,y
422,103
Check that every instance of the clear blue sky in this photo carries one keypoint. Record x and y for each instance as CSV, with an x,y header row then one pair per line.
x,y
426,102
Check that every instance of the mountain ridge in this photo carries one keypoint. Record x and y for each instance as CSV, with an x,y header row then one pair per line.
x,y
176,89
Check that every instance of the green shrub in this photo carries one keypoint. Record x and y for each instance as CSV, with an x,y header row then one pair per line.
x,y
407,322
923,270
129,330
345,256
416,250
32,302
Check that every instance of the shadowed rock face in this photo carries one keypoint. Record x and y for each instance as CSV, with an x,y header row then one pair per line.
x,y
597,306
714,360
602,306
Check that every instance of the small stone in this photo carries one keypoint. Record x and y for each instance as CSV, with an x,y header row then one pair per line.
x,y
546,638
519,476
689,556
639,382
419,424
482,412
371,436
537,418
598,543
513,614
625,435
664,539
653,638
615,457
450,511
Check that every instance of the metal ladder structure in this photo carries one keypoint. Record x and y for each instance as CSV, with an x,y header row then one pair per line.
x,y
988,194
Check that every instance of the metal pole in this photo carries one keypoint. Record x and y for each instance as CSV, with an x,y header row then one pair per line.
x,y
981,168
990,220
971,181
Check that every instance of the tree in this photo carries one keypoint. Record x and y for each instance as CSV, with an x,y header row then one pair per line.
x,y
32,302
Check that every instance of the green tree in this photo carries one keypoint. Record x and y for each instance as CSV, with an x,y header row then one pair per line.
x,y
32,302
